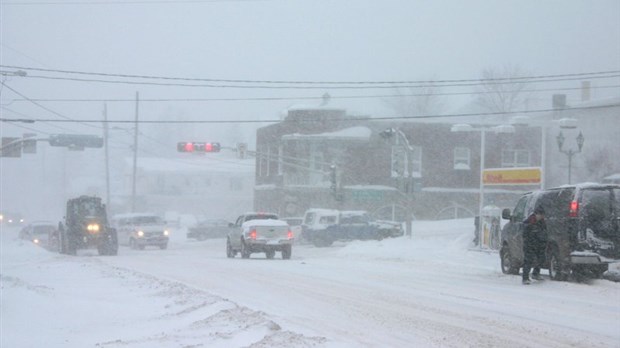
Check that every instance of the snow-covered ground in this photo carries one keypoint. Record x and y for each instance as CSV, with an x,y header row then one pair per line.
x,y
429,291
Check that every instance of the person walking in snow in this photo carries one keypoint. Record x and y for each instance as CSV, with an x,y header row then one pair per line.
x,y
534,244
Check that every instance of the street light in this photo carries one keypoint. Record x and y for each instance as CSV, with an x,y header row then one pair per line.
x,y
525,121
570,153
505,129
388,134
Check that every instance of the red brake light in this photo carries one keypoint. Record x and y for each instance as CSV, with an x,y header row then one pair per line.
x,y
189,147
290,234
253,234
574,209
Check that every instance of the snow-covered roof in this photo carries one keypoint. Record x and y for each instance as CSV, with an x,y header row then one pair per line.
x,y
265,222
359,132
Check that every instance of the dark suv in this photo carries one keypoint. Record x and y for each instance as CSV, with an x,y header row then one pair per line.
x,y
583,223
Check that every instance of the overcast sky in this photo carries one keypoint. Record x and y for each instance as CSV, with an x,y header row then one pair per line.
x,y
318,40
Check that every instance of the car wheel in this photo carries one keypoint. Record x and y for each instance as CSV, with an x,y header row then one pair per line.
x,y
245,252
230,253
132,244
163,246
270,254
509,264
286,252
555,267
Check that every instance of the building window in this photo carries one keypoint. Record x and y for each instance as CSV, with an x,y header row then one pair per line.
x,y
317,167
263,162
280,153
461,158
515,158
400,168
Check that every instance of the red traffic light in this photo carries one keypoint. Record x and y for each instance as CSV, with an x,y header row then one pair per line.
x,y
198,147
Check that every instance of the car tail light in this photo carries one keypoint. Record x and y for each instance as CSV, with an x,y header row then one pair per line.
x,y
253,234
289,235
574,209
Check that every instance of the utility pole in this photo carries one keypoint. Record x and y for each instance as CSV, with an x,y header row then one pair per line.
x,y
107,154
135,159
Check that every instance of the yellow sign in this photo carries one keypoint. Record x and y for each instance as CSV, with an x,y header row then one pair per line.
x,y
511,176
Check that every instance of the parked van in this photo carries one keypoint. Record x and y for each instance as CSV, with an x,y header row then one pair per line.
x,y
583,224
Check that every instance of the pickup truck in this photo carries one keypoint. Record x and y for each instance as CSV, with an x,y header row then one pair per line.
x,y
322,227
259,233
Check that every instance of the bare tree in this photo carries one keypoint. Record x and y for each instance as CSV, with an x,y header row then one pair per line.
x,y
503,91
600,162
416,101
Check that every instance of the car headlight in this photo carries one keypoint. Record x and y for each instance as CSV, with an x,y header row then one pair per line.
x,y
36,241
93,228
140,233
166,233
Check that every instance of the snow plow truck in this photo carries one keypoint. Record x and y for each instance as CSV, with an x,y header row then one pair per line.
x,y
85,227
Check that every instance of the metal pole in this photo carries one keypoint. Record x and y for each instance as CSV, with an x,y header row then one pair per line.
x,y
481,203
135,159
107,155
543,157
570,163
408,186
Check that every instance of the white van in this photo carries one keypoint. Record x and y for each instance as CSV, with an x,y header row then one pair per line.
x,y
139,230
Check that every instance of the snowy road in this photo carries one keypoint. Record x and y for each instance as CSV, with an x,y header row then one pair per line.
x,y
429,291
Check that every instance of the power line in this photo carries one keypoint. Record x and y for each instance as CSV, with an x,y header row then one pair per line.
x,y
45,108
350,118
161,84
28,119
146,2
457,82
311,98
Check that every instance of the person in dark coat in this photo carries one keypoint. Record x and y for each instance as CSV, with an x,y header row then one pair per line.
x,y
534,244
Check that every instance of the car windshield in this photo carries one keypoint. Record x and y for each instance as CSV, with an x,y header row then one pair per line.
x,y
146,220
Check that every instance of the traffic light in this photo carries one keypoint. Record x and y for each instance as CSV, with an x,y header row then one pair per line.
x,y
333,178
198,147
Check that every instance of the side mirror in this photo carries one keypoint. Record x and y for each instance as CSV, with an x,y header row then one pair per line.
x,y
506,214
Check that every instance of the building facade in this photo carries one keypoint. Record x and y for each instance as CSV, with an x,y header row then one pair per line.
x,y
324,158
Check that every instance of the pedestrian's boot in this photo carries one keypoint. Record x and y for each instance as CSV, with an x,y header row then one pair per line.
x,y
525,281
537,277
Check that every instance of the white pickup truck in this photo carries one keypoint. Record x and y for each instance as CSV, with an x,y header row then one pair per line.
x,y
259,233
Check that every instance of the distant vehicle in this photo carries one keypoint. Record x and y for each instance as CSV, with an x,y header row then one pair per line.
x,y
259,233
11,219
322,227
295,225
138,230
315,225
86,226
583,224
39,232
210,228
